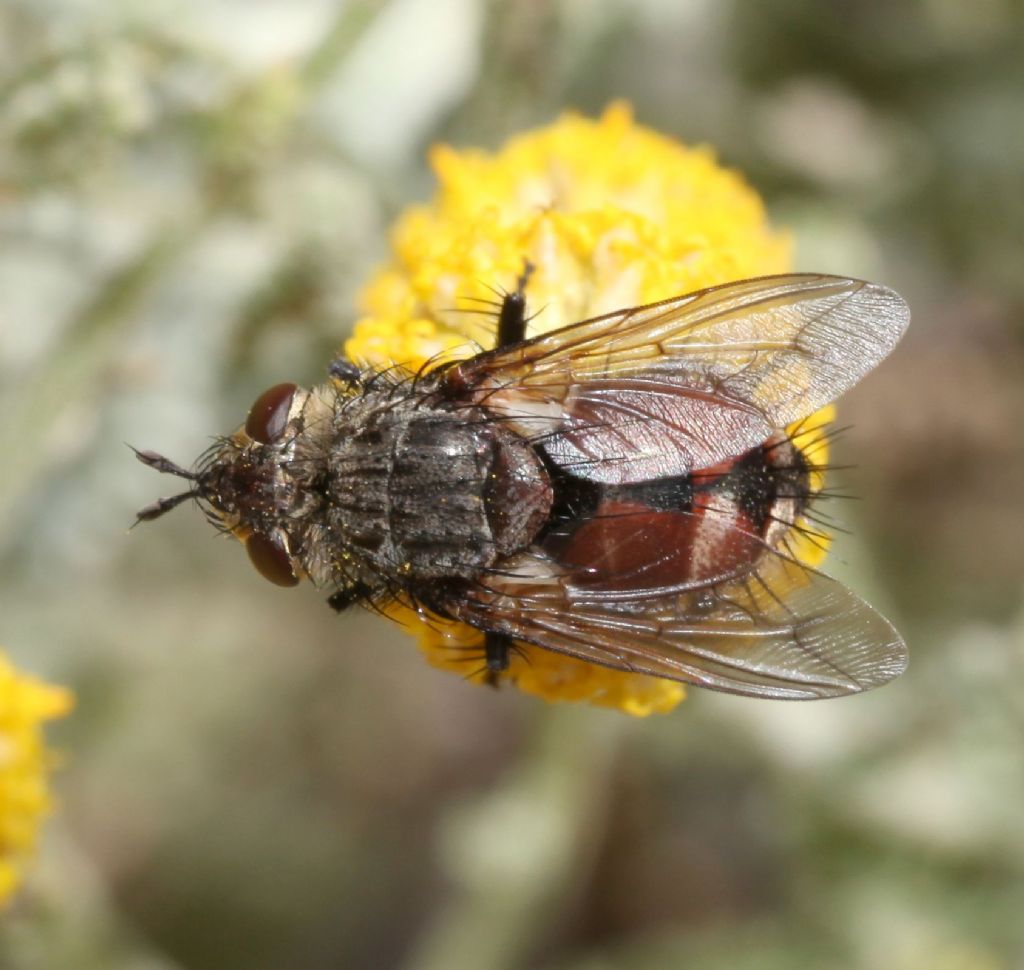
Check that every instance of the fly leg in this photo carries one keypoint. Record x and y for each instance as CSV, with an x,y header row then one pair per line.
x,y
512,322
497,647
346,596
512,318
342,371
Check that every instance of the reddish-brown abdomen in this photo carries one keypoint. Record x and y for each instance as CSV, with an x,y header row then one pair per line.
x,y
686,532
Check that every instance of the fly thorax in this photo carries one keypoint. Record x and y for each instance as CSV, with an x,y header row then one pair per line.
x,y
418,493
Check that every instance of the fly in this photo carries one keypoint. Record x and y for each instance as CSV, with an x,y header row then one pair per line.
x,y
620,490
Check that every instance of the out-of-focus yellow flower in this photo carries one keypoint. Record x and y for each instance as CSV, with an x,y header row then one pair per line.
x,y
25,703
610,215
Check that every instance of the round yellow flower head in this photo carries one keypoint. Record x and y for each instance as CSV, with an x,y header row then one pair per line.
x,y
24,761
610,215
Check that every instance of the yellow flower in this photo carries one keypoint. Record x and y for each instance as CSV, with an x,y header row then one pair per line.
x,y
611,215
24,762
808,541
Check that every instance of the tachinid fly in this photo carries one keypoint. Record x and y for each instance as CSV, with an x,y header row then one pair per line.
x,y
621,490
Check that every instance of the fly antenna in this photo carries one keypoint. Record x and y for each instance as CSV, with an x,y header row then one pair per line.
x,y
161,464
162,505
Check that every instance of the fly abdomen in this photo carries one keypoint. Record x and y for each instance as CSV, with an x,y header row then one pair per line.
x,y
681,531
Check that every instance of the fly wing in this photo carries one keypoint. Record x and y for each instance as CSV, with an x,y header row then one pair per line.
x,y
669,387
782,632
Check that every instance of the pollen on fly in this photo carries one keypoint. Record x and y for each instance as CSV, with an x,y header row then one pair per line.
x,y
623,490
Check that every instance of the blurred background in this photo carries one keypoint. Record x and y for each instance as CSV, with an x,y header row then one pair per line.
x,y
190,196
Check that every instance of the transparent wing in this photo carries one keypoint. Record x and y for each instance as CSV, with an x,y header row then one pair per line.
x,y
782,632
666,388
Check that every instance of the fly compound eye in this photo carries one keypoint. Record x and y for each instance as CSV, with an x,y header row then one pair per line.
x,y
271,560
268,417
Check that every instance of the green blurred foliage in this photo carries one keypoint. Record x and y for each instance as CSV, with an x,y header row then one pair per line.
x,y
190,195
